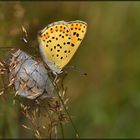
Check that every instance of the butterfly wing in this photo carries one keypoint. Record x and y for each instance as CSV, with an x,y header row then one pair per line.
x,y
59,41
78,30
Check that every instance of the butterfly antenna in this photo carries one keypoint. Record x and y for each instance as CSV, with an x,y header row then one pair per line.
x,y
73,68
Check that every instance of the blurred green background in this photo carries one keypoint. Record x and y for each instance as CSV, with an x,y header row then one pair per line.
x,y
106,103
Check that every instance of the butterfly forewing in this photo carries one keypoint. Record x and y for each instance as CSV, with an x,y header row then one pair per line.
x,y
78,30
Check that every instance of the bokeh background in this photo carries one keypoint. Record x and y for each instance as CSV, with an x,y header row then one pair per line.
x,y
106,102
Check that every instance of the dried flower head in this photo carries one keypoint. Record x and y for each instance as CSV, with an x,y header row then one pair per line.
x,y
45,102
29,77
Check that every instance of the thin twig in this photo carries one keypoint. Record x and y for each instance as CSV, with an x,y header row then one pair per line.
x,y
77,134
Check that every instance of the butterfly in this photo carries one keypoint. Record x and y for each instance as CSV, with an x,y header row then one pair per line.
x,y
59,41
29,77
